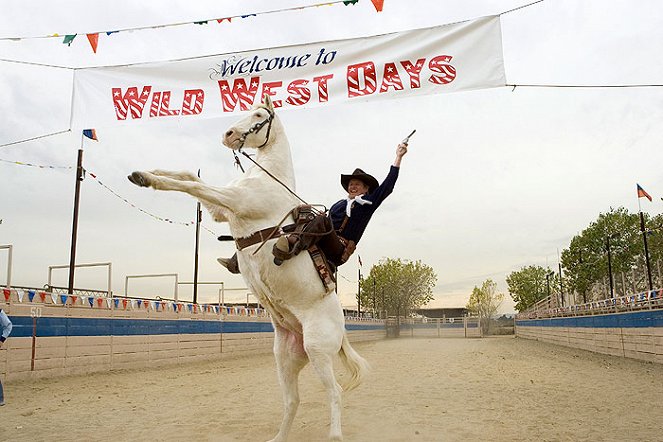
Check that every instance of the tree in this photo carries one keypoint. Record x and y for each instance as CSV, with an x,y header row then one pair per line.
x,y
529,285
484,302
397,286
586,260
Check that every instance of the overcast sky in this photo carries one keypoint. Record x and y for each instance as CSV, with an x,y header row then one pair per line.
x,y
495,179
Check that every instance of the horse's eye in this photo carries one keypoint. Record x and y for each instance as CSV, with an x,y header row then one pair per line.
x,y
258,115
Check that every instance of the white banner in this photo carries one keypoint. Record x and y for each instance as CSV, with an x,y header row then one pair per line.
x,y
442,59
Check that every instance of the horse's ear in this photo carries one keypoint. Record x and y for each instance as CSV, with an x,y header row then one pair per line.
x,y
268,102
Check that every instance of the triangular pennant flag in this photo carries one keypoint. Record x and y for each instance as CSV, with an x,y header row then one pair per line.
x,y
140,302
117,302
179,307
378,5
91,301
350,2
91,134
73,299
109,302
124,303
189,307
100,301
7,293
42,295
63,298
219,20
68,39
31,295
20,293
83,299
54,298
174,307
93,39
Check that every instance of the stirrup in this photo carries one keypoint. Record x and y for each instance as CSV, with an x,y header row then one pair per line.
x,y
281,250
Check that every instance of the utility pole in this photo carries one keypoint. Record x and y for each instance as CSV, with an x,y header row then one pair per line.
x,y
607,244
199,218
74,225
644,238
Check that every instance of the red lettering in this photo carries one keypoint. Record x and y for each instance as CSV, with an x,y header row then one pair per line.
x,y
440,64
267,90
323,89
390,78
299,93
165,104
240,93
130,101
361,79
193,101
413,70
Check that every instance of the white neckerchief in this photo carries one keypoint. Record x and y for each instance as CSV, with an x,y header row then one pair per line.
x,y
358,199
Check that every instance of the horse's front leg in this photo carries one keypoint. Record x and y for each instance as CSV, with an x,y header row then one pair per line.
x,y
228,197
181,176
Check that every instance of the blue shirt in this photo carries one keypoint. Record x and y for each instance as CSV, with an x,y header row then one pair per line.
x,y
361,214
6,325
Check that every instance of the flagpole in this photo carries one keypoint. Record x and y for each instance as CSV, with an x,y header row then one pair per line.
x,y
195,265
74,226
644,238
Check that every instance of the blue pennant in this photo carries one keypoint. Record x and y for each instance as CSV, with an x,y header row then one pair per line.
x,y
31,295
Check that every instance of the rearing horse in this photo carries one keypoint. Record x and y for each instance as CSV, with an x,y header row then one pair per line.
x,y
308,321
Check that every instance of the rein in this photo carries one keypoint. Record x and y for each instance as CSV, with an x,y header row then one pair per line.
x,y
255,129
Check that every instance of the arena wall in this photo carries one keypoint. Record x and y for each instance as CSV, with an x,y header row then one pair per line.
x,y
58,335
637,335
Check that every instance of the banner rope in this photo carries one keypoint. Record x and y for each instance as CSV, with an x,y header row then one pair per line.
x,y
34,138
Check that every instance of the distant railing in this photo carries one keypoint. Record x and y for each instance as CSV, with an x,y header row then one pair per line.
x,y
649,300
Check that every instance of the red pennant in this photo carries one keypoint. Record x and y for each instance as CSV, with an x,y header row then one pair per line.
x,y
124,303
194,308
7,292
179,307
219,20
73,299
378,5
42,295
100,301
93,39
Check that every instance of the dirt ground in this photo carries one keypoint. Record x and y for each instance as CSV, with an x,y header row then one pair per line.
x,y
437,389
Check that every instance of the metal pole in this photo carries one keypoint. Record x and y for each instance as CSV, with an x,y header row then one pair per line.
x,y
644,237
359,293
74,227
561,285
199,216
607,242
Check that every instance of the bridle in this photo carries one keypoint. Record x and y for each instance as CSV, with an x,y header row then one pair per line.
x,y
255,129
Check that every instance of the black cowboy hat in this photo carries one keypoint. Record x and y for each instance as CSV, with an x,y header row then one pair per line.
x,y
362,176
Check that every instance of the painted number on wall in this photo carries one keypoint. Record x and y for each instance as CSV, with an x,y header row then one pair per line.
x,y
35,312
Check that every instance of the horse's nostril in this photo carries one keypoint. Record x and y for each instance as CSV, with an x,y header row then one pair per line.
x,y
229,133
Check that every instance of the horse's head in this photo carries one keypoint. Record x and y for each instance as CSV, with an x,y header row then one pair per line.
x,y
255,130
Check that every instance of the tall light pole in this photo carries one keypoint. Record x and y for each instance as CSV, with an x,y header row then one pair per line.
x,y
607,245
644,238
199,218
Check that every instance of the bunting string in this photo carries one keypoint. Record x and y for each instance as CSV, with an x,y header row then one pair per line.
x,y
69,36
40,166
117,195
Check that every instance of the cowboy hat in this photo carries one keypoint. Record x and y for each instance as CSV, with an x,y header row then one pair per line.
x,y
362,176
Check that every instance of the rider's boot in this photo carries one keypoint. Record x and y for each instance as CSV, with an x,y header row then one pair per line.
x,y
283,249
230,263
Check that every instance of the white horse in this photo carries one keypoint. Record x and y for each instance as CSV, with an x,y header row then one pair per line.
x,y
308,321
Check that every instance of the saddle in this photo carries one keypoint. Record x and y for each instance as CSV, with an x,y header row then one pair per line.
x,y
303,234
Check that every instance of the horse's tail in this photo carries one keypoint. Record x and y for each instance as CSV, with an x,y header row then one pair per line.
x,y
356,365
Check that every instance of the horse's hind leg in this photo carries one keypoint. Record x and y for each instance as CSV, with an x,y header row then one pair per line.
x,y
321,344
290,359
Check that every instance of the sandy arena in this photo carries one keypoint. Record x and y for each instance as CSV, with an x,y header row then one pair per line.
x,y
497,389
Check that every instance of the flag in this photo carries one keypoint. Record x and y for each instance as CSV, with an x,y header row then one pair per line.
x,y
359,257
68,39
91,134
94,41
642,193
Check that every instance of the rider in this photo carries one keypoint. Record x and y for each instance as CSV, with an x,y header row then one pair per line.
x,y
338,233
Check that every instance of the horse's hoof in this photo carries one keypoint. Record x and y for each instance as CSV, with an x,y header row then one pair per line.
x,y
138,179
